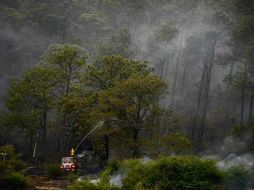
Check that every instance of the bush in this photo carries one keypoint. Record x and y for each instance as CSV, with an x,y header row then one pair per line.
x,y
11,154
71,177
12,162
14,181
236,178
177,143
54,170
183,173
86,185
175,173
16,165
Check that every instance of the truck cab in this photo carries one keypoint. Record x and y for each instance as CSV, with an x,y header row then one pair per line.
x,y
69,164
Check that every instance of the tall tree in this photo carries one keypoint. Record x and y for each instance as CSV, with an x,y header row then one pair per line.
x,y
70,61
29,101
130,102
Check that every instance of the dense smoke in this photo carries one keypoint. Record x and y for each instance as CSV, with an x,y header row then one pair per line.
x,y
187,43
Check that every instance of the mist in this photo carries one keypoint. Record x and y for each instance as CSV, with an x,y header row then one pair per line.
x,y
197,54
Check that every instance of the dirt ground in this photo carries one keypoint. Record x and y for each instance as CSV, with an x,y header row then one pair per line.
x,y
43,183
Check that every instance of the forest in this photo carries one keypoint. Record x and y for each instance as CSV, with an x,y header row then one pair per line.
x,y
168,82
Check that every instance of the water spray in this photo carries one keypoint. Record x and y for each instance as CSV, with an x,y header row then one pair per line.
x,y
100,124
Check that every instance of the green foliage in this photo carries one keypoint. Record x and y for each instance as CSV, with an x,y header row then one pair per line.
x,y
129,101
53,170
240,79
118,44
11,15
112,3
86,185
244,31
14,181
112,168
131,7
30,99
71,177
136,91
64,55
94,18
8,149
236,178
165,32
132,95
250,55
183,173
239,130
32,95
245,6
11,162
115,68
177,143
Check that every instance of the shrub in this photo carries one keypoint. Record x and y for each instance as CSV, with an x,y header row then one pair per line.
x,y
16,165
53,170
12,162
175,173
236,178
177,143
71,177
14,181
117,167
113,166
86,185
185,173
11,154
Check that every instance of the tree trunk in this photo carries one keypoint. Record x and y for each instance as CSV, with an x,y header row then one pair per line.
x,y
31,145
44,134
242,105
227,101
196,115
35,148
175,81
207,88
251,100
184,75
66,124
162,70
135,151
198,129
106,145
179,56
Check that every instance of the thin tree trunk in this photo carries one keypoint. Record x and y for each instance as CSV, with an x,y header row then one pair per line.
x,y
184,75
207,88
106,145
31,145
230,76
175,81
251,100
35,147
66,125
44,134
227,99
135,151
242,105
162,70
196,115
203,94
179,56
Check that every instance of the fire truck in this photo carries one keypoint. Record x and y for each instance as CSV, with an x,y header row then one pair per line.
x,y
70,163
